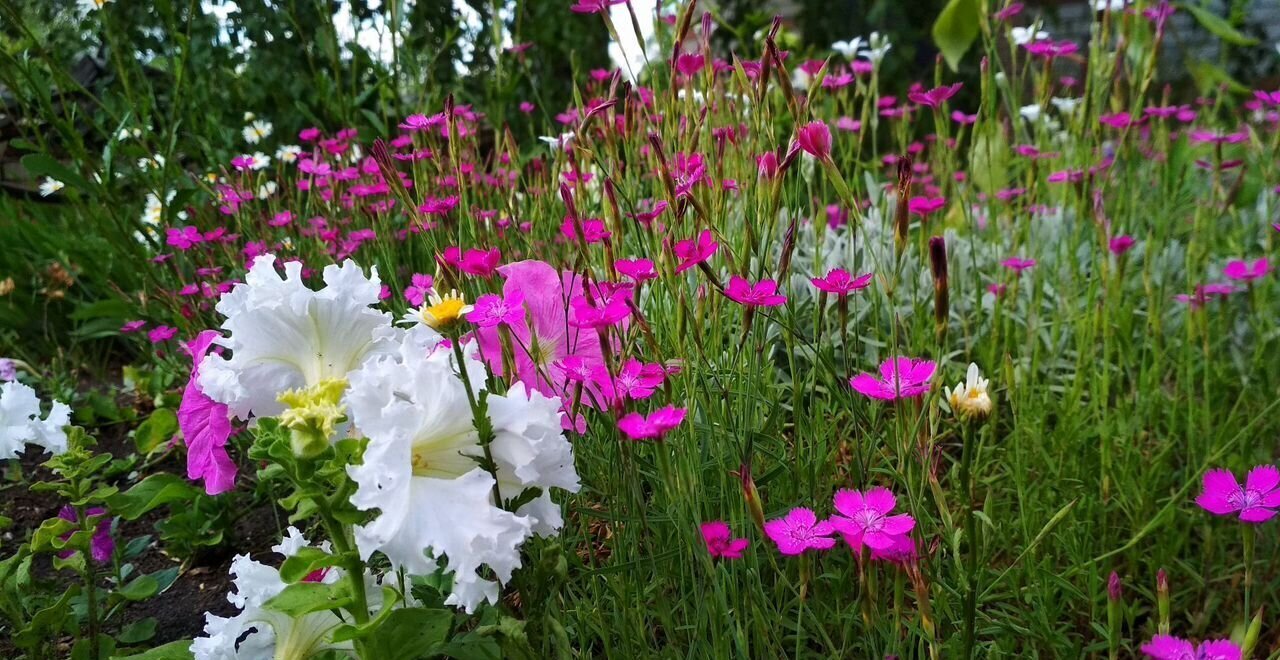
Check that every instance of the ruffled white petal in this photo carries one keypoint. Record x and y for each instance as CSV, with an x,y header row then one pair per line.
x,y
21,421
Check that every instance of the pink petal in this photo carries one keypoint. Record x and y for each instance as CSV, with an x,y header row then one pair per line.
x,y
801,517
1263,478
1219,485
1257,514
881,500
898,525
847,502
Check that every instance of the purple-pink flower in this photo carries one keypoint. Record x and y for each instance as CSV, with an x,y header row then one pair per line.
x,y
720,542
815,138
900,377
1245,271
1018,264
866,519
692,252
492,310
1168,647
659,422
1120,244
419,286
936,96
639,270
761,294
1256,501
800,530
839,282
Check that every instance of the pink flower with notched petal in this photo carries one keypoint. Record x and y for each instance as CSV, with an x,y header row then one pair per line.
x,y
1245,271
492,310
923,206
900,377
635,380
593,6
800,530
161,334
936,96
1256,502
656,425
608,305
839,282
1018,264
761,294
1120,244
133,326
481,263
815,138
692,253
419,286
720,542
639,270
866,519
1168,647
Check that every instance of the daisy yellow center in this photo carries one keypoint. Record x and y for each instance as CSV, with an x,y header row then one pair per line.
x,y
444,312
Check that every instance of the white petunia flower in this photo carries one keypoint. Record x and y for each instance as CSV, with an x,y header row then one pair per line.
x,y
285,336
50,186
1030,113
20,421
420,469
256,632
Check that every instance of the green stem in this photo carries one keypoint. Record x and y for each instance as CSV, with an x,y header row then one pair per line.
x,y
971,537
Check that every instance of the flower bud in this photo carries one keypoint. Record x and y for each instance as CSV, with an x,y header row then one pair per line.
x,y
941,290
1162,600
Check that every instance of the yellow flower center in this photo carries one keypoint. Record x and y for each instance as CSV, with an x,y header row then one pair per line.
x,y
445,311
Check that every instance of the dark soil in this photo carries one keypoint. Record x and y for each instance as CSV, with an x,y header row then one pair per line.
x,y
202,584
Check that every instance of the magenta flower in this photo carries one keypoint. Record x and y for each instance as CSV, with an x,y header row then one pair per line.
x,y
593,6
936,96
1168,647
720,542
840,283
761,294
1245,271
691,252
815,138
923,206
183,238
492,310
866,518
205,425
133,326
1018,264
161,333
639,270
659,422
1269,98
635,380
900,377
1120,244
101,545
419,286
609,306
481,263
1256,502
798,531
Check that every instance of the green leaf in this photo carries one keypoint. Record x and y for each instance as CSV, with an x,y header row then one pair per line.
x,y
156,431
306,562
49,533
956,29
138,631
411,633
1213,23
140,589
156,490
179,650
38,165
307,597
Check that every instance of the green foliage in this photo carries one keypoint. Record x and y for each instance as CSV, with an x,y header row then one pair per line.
x,y
956,29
